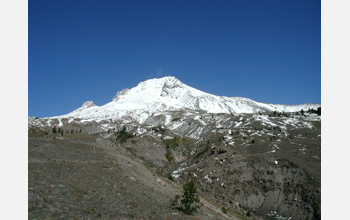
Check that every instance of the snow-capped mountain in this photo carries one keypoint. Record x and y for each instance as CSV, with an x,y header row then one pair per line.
x,y
170,94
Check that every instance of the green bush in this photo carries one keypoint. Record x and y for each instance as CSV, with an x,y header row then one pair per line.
x,y
169,157
170,177
172,143
123,135
158,129
224,210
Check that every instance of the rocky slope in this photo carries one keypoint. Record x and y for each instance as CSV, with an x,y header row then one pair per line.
x,y
86,177
267,166
256,160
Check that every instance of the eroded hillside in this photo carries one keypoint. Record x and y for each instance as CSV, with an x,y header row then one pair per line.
x,y
255,166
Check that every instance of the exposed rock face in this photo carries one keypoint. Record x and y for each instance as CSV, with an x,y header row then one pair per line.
x,y
119,94
88,104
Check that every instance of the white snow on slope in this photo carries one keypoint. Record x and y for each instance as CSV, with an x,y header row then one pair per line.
x,y
168,94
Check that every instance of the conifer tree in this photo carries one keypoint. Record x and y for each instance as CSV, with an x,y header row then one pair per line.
x,y
190,199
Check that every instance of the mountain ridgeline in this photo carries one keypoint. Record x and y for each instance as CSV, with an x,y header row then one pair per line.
x,y
169,94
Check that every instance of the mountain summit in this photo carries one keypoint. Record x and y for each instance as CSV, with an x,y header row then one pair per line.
x,y
170,94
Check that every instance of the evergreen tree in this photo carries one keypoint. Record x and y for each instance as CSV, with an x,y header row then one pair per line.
x,y
54,129
190,199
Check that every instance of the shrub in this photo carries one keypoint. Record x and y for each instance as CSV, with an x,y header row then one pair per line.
x,y
175,202
169,157
190,199
170,177
172,143
158,129
123,135
224,210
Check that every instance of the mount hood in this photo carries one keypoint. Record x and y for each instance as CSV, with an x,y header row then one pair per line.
x,y
170,94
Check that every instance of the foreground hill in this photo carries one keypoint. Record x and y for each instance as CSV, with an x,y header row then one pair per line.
x,y
86,177
261,165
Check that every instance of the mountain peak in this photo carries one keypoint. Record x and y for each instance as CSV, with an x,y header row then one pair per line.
x,y
170,94
167,81
151,88
88,104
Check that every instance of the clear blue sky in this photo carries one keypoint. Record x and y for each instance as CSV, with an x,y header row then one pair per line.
x,y
265,50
